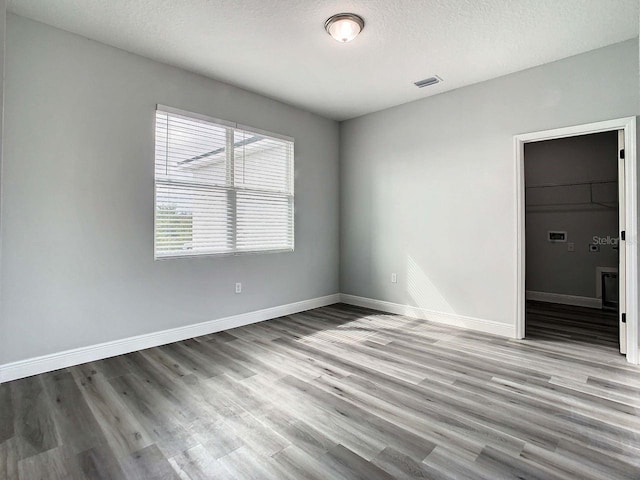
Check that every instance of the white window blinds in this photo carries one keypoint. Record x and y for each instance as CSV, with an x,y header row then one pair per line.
x,y
220,188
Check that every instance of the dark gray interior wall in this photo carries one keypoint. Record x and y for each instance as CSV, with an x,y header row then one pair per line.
x,y
553,267
428,188
78,199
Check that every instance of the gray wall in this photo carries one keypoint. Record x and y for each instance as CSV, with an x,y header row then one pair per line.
x,y
428,188
552,267
3,24
77,249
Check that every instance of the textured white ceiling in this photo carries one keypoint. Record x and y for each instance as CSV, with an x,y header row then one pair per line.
x,y
279,47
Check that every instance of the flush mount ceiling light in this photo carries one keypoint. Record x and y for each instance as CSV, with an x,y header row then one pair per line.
x,y
344,27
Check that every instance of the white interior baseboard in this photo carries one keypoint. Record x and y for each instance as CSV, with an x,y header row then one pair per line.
x,y
565,299
482,325
77,356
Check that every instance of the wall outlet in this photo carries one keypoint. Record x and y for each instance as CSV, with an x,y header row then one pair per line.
x,y
571,247
394,278
238,287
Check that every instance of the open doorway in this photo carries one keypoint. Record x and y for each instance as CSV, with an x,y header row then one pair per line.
x,y
577,269
571,231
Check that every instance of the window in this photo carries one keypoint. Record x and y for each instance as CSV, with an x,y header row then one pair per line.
x,y
220,188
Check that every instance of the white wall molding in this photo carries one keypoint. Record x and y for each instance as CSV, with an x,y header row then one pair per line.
x,y
563,299
55,361
482,325
77,356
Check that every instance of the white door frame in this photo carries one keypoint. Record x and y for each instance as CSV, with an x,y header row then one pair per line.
x,y
631,198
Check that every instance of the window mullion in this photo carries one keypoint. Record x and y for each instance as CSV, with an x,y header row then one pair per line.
x,y
232,190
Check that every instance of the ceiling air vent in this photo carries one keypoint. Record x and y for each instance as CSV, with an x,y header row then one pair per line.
x,y
427,82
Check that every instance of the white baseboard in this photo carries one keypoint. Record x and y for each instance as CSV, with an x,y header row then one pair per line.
x,y
482,325
77,356
565,299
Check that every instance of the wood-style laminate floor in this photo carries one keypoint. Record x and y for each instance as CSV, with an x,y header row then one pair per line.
x,y
337,393
575,325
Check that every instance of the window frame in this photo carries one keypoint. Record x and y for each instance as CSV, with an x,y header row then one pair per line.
x,y
232,188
